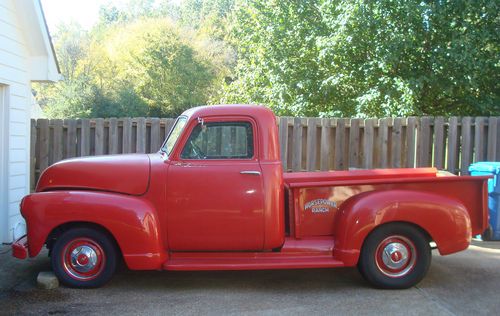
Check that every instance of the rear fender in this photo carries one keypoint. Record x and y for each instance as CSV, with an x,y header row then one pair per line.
x,y
132,221
445,220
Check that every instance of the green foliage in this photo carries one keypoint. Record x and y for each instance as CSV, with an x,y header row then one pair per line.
x,y
169,75
303,58
133,63
368,58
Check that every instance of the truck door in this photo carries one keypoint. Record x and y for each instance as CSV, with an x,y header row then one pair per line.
x,y
214,189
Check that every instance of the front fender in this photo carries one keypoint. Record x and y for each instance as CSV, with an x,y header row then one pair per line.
x,y
445,220
132,221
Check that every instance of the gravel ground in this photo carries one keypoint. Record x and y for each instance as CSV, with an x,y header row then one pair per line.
x,y
461,284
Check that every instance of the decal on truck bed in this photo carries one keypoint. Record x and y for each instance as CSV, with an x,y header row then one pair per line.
x,y
320,205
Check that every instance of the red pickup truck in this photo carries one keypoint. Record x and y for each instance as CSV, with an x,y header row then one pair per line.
x,y
215,198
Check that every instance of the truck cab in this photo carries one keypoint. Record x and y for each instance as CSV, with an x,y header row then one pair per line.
x,y
215,197
224,181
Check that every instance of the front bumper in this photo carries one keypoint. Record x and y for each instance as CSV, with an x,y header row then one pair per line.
x,y
20,248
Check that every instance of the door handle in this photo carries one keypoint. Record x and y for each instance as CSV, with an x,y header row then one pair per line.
x,y
251,172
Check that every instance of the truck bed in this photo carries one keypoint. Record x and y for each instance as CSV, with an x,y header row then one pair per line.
x,y
316,197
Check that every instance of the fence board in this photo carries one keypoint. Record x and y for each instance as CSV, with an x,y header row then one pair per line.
x,y
43,139
411,142
155,134
141,135
479,139
493,139
466,146
397,134
439,149
283,130
85,137
453,141
312,126
127,135
99,136
354,143
368,143
340,132
113,136
169,123
424,149
57,146
71,141
383,140
297,144
325,144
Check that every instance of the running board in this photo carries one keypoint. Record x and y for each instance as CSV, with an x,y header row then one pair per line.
x,y
186,263
314,252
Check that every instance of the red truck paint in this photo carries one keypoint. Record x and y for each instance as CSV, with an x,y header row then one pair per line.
x,y
166,212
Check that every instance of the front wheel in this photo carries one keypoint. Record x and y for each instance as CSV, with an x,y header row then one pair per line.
x,y
395,256
84,257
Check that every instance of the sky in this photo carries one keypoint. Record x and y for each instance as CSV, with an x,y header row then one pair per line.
x,y
85,12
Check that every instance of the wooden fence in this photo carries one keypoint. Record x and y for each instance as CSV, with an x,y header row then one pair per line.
x,y
306,143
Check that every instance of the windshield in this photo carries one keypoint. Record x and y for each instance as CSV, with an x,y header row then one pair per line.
x,y
168,145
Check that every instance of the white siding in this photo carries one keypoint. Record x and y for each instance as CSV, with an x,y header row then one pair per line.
x,y
14,74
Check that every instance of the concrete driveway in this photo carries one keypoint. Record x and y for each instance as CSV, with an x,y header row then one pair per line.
x,y
461,284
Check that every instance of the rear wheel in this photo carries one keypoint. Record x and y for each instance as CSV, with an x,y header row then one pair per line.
x,y
395,256
84,257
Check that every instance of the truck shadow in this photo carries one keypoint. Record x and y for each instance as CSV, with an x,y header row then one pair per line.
x,y
262,280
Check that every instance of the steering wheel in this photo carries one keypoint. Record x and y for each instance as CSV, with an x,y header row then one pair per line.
x,y
196,151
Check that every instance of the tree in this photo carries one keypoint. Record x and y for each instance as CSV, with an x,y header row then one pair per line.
x,y
169,74
368,58
133,66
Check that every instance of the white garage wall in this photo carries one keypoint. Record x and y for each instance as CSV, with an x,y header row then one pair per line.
x,y
3,162
14,74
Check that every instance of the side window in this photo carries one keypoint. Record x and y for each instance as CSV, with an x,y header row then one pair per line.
x,y
221,140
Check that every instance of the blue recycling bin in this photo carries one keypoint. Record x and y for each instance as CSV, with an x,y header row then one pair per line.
x,y
488,168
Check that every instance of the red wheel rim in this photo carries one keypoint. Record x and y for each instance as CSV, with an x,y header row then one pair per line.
x,y
83,259
396,256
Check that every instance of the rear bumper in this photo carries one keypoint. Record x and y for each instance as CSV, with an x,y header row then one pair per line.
x,y
20,248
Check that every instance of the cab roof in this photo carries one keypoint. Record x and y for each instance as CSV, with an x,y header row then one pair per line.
x,y
229,109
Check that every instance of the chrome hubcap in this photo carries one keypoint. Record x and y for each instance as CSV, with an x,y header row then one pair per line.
x,y
83,259
395,255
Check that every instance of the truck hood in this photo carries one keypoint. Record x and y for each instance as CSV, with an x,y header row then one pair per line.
x,y
127,174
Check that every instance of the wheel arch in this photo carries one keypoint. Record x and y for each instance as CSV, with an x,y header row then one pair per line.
x,y
421,229
57,231
445,221
131,221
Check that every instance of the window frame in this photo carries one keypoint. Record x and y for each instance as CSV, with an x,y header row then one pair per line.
x,y
174,146
194,122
